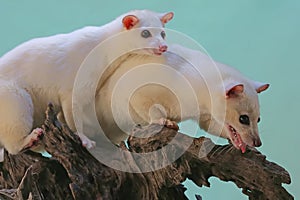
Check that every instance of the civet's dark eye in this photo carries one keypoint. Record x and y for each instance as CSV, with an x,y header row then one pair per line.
x,y
244,119
146,34
163,34
258,120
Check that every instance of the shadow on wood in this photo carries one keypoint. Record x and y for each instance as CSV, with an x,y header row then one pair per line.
x,y
73,173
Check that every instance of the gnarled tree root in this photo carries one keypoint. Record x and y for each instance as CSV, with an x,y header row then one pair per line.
x,y
73,173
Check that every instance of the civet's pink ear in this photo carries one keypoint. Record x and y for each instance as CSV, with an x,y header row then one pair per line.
x,y
260,87
166,17
129,21
234,90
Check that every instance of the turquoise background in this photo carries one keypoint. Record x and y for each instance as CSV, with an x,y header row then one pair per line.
x,y
259,37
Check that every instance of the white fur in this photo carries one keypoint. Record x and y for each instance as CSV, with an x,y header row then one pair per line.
x,y
43,70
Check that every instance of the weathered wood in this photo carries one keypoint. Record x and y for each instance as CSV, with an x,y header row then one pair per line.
x,y
73,173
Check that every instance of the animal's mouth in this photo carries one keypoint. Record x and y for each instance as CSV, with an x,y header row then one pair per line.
x,y
160,50
236,139
157,52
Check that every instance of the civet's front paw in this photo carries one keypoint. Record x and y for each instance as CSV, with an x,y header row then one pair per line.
x,y
89,144
86,142
168,123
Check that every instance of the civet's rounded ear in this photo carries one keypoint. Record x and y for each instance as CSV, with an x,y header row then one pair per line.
x,y
260,87
233,90
129,21
166,17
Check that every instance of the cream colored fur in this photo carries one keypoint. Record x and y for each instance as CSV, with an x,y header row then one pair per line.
x,y
209,80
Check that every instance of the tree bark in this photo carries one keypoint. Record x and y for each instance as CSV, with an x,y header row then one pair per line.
x,y
73,173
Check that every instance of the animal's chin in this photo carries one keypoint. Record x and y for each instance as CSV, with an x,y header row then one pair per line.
x,y
236,139
149,51
157,52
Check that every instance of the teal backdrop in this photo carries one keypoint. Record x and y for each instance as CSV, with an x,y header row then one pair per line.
x,y
260,38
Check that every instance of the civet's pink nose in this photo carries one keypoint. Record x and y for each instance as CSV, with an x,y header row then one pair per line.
x,y
163,48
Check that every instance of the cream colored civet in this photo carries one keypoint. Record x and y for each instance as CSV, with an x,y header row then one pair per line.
x,y
227,100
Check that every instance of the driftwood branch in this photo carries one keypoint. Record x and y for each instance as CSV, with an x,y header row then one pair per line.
x,y
73,173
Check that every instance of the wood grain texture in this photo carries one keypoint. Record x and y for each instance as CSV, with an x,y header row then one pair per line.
x,y
73,173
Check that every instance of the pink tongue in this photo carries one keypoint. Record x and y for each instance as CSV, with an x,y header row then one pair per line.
x,y
240,143
243,148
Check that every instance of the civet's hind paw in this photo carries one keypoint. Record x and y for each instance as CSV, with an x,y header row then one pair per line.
x,y
33,138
